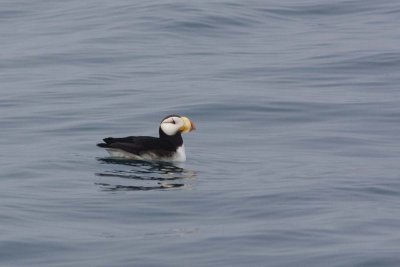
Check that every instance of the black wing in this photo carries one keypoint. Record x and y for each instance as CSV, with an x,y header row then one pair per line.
x,y
137,144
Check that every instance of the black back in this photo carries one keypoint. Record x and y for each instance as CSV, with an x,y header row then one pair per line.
x,y
165,145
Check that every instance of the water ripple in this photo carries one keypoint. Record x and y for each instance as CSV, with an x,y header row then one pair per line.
x,y
143,171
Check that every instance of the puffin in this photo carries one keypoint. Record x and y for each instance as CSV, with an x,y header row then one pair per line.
x,y
167,147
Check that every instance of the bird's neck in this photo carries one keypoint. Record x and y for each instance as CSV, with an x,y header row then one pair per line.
x,y
175,140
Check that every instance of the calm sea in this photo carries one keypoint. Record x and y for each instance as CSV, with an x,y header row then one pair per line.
x,y
295,161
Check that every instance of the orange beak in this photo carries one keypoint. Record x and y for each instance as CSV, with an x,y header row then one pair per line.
x,y
193,126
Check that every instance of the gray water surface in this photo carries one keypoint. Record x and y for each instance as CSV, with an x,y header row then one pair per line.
x,y
295,161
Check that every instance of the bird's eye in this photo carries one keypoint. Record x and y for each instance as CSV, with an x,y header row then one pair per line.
x,y
169,120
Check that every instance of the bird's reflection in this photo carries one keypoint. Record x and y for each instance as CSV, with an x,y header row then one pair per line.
x,y
143,174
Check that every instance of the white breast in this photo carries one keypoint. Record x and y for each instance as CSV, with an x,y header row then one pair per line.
x,y
179,155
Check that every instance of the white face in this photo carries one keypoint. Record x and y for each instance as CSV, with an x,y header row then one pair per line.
x,y
172,125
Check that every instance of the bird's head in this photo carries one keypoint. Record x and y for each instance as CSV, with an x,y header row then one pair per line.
x,y
174,124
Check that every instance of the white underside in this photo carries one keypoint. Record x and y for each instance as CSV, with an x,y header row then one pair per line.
x,y
179,155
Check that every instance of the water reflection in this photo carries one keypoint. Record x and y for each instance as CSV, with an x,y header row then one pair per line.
x,y
135,175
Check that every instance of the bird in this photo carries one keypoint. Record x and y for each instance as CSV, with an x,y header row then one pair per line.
x,y
167,147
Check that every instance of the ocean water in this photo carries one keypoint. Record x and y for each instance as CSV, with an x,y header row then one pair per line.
x,y
295,161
